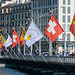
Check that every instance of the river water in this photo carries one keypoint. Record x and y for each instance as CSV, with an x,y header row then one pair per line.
x,y
9,71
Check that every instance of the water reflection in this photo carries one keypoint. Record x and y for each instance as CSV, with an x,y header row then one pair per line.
x,y
8,71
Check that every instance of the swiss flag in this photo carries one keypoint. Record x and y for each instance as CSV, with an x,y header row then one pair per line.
x,y
15,38
53,29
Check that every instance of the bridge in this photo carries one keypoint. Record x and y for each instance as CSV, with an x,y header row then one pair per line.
x,y
41,62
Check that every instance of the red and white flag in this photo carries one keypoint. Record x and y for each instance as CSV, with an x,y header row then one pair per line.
x,y
15,38
53,29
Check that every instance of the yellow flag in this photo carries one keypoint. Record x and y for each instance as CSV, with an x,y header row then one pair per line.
x,y
2,40
23,31
22,36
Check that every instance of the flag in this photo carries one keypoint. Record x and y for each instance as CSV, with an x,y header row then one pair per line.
x,y
22,40
8,42
53,29
15,38
33,34
2,40
24,31
72,26
1,45
22,36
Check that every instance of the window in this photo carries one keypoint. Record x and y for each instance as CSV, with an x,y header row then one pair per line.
x,y
50,2
64,2
56,2
22,15
63,18
36,4
53,2
8,10
7,17
13,17
16,16
68,37
63,9
19,16
68,10
68,2
28,14
68,18
4,10
3,17
22,22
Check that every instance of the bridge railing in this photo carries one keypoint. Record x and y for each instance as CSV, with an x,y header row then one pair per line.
x,y
43,58
53,59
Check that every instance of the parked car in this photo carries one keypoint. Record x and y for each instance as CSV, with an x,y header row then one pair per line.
x,y
45,53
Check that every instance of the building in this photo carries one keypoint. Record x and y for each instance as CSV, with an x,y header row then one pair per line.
x,y
39,11
64,12
5,19
12,16
21,14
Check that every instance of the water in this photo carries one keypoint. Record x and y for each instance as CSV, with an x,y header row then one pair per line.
x,y
20,71
8,71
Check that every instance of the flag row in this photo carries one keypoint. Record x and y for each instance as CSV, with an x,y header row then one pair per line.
x,y
33,34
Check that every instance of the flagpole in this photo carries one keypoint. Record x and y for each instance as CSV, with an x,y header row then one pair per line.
x,y
40,40
50,48
24,50
19,43
24,46
31,45
50,45
65,32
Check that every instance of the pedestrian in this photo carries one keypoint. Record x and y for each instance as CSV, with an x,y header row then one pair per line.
x,y
33,54
72,54
64,53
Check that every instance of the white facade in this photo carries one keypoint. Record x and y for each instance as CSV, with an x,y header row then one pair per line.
x,y
65,15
